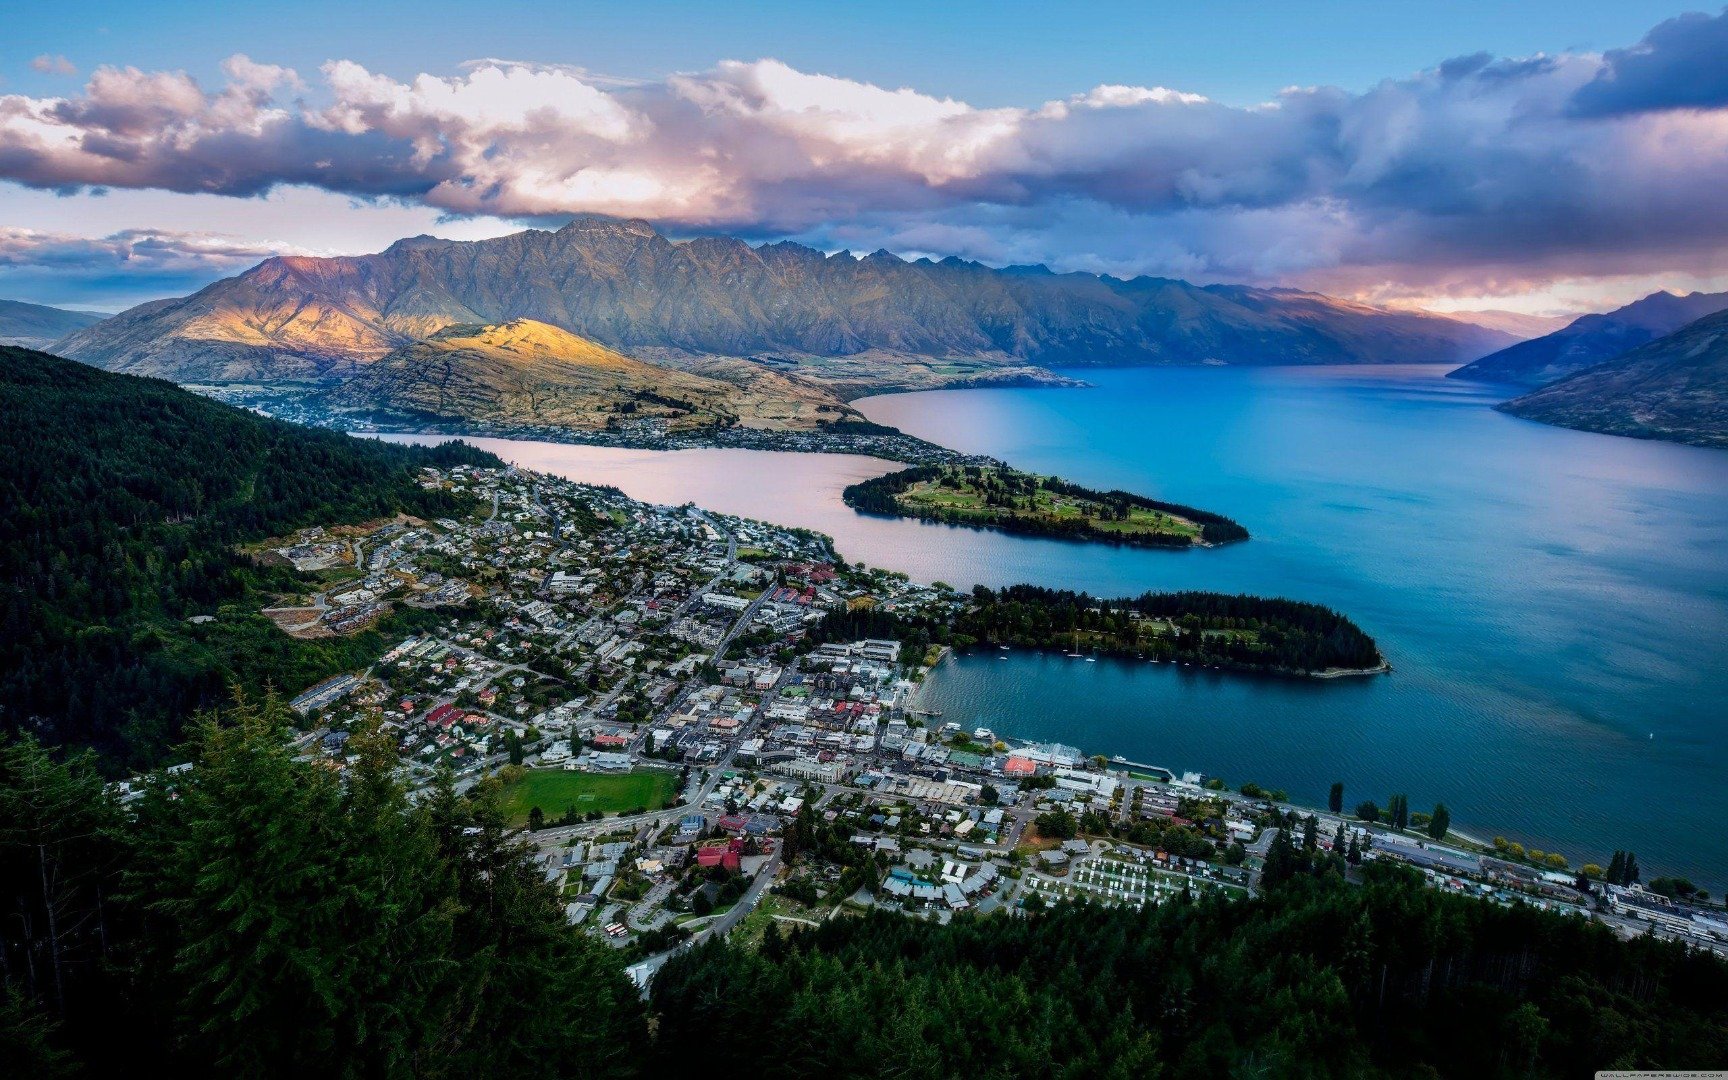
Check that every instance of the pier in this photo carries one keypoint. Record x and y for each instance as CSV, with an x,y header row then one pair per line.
x,y
1139,766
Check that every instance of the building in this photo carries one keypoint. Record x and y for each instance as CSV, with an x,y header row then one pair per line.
x,y
602,761
803,768
1100,784
878,649
330,690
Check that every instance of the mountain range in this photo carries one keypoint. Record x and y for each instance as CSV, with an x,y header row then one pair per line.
x,y
1673,388
1592,339
35,325
879,322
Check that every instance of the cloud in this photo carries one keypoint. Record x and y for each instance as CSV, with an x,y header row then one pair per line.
x,y
1681,64
127,266
53,65
1516,170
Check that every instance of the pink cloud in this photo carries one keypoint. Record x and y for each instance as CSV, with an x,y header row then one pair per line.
x,y
1478,166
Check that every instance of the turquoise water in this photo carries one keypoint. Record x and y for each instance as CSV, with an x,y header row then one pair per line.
x,y
1555,603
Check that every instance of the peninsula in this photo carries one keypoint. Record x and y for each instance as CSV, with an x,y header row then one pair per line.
x,y
1260,634
1003,498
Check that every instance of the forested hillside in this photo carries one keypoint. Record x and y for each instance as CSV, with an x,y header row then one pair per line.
x,y
259,915
124,501
1315,979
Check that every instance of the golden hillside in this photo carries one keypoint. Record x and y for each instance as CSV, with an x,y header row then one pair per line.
x,y
529,372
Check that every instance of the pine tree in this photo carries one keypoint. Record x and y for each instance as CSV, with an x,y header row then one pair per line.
x,y
300,923
1399,809
1282,862
249,983
27,1045
1440,822
1335,799
57,857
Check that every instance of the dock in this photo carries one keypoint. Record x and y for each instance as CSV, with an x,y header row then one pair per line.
x,y
1140,766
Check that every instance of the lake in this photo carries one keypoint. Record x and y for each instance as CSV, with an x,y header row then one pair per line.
x,y
1555,603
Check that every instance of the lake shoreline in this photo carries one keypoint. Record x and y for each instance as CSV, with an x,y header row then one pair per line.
x,y
1551,598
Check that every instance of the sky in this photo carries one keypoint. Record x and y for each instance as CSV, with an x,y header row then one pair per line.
x,y
1540,157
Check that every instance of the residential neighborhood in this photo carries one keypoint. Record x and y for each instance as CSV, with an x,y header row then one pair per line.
x,y
654,695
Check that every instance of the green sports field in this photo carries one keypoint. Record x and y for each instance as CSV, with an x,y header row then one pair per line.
x,y
557,790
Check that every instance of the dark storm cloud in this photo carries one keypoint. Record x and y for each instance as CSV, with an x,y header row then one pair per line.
x,y
1681,64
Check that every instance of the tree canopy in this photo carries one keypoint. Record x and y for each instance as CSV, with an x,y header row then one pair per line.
x,y
125,501
259,915
1316,978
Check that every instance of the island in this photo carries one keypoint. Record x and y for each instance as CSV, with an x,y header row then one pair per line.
x,y
999,497
1196,629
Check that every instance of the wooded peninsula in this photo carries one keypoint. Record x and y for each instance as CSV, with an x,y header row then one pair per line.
x,y
1202,629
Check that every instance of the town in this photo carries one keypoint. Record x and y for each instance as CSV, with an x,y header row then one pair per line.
x,y
660,700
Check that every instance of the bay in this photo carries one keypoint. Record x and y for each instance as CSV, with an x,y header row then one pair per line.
x,y
1554,603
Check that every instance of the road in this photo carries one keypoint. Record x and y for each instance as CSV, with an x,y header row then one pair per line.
x,y
740,626
557,523
643,973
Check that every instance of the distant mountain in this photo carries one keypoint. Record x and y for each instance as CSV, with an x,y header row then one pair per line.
x,y
35,325
528,372
623,285
1516,323
1591,339
1674,388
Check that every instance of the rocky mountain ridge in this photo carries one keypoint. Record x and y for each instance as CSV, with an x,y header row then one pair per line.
x,y
1592,339
896,324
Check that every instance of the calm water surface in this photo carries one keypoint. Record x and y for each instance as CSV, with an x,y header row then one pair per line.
x,y
1555,603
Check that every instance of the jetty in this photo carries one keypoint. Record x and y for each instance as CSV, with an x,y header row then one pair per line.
x,y
1140,766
